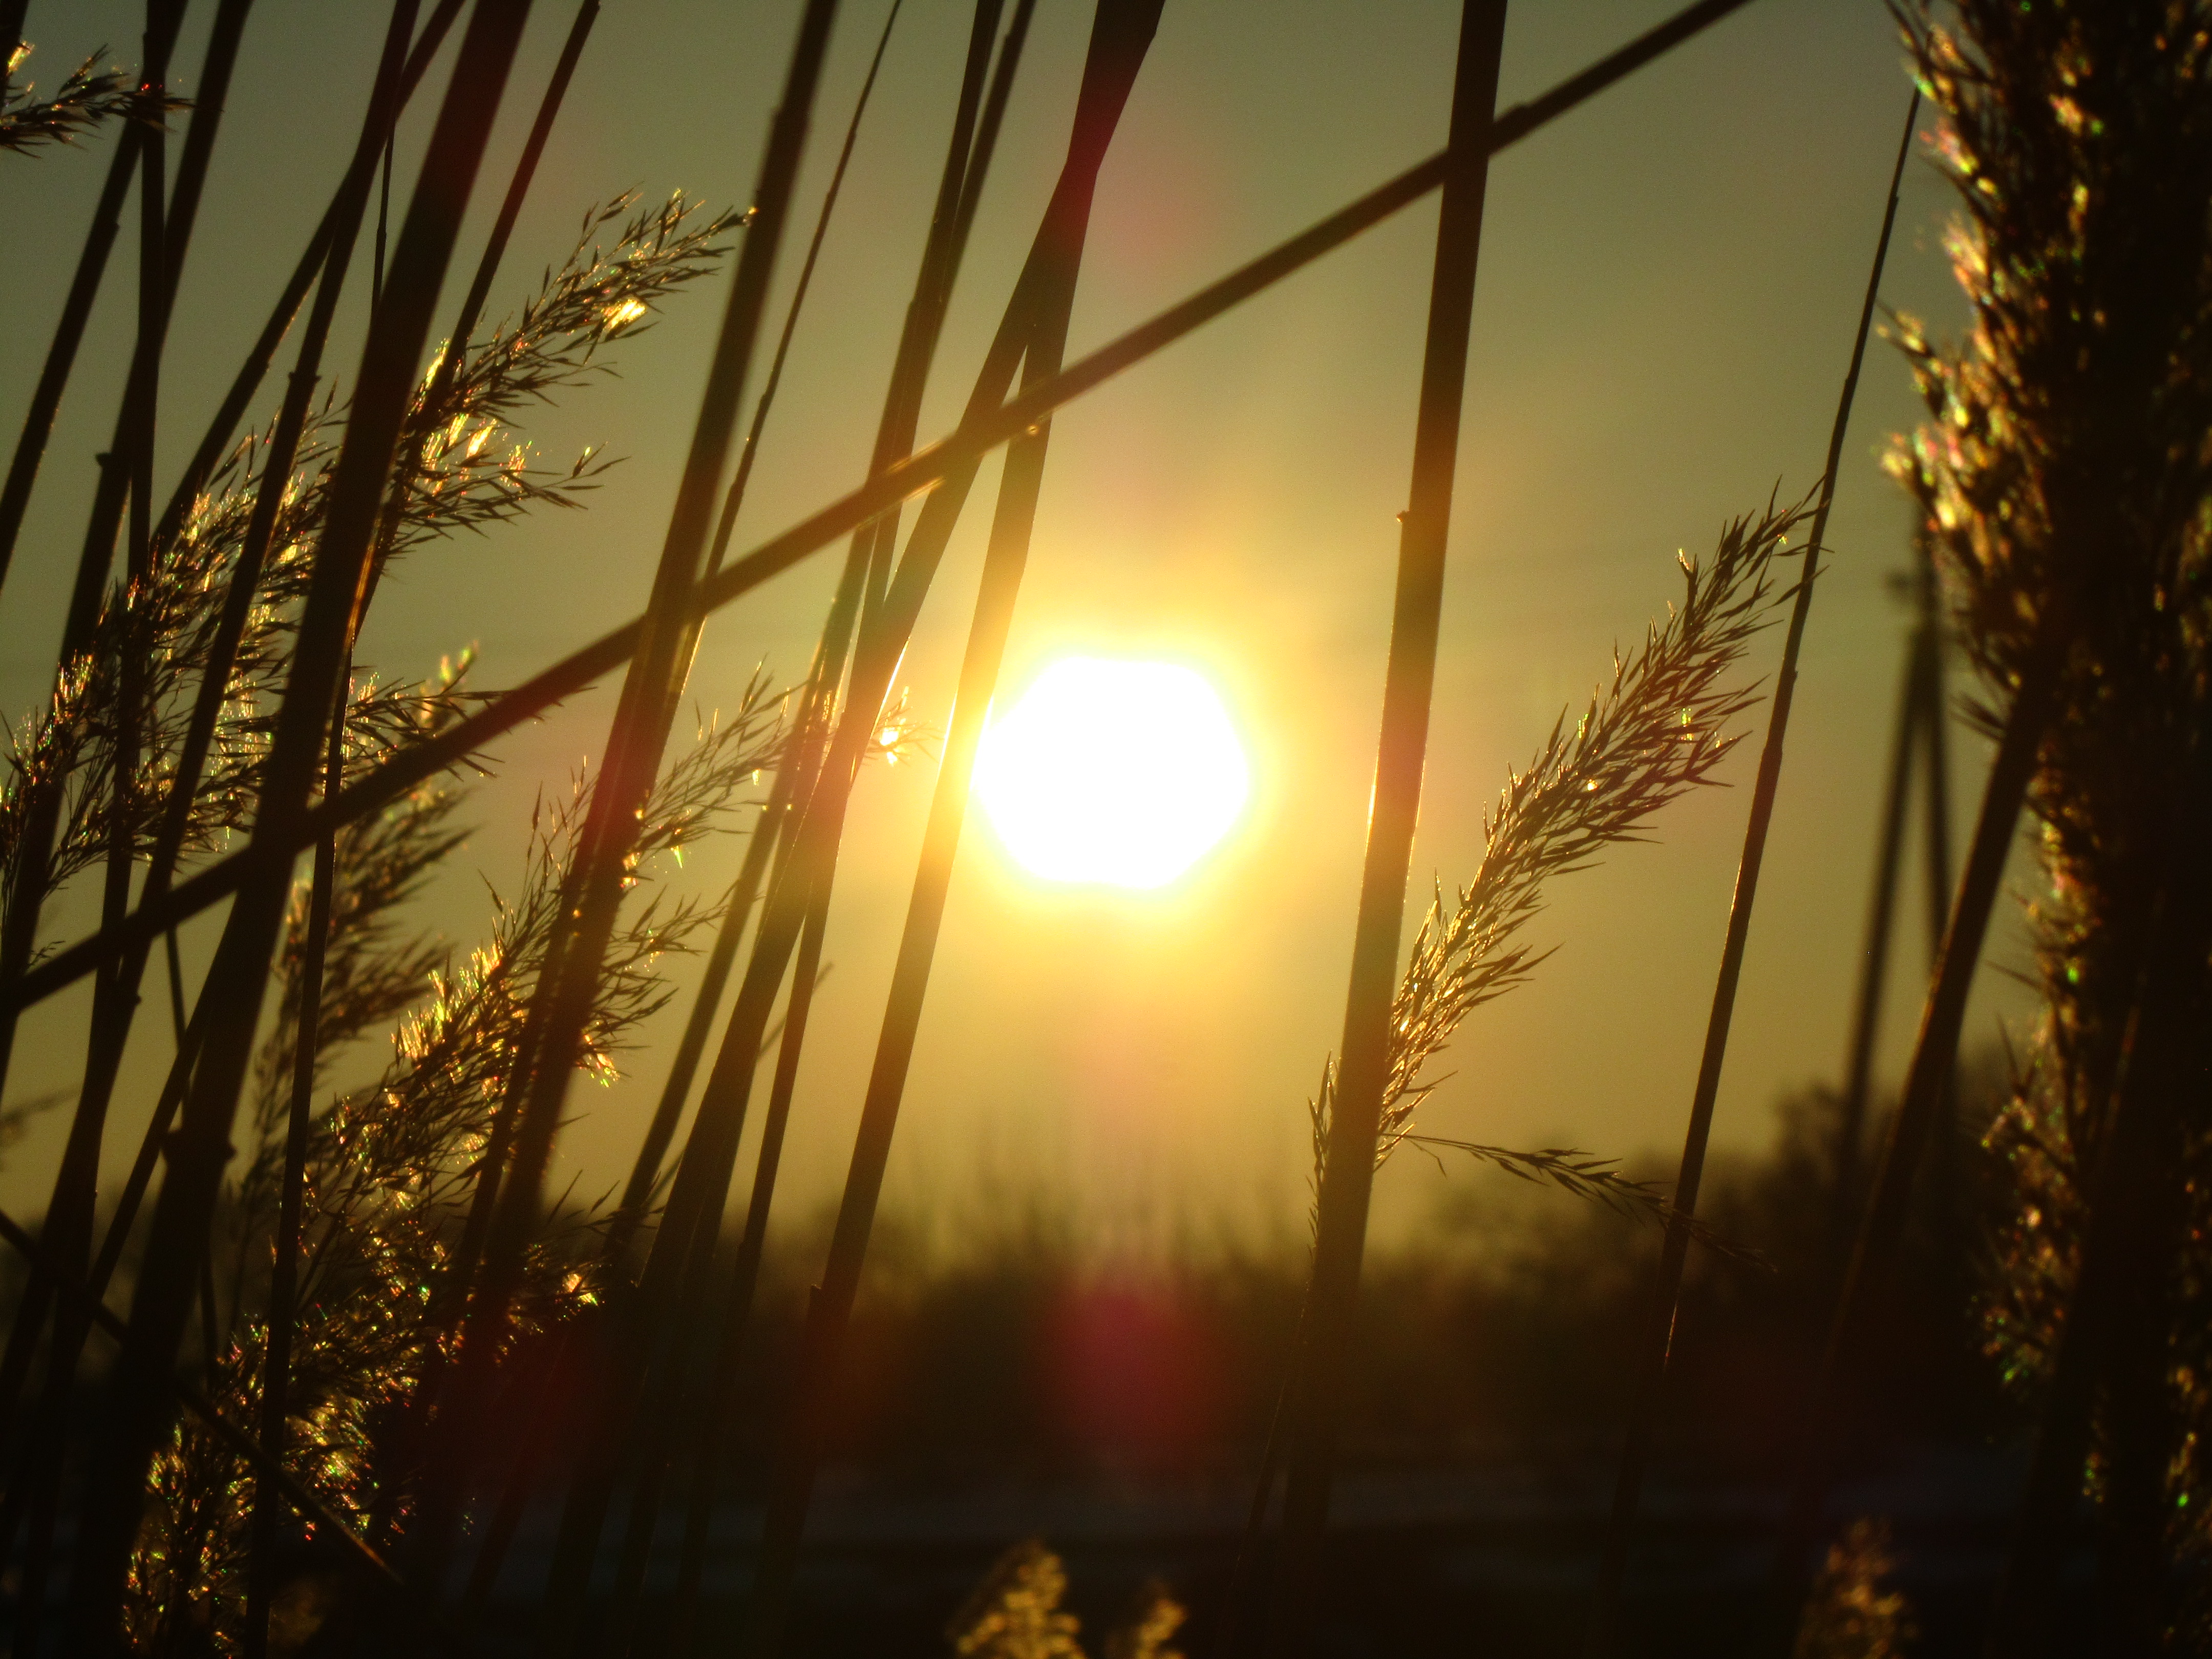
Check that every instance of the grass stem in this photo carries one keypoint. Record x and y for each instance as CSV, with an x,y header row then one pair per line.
x,y
1348,1173
1674,1251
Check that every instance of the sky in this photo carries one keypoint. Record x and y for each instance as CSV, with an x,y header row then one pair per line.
x,y
1669,280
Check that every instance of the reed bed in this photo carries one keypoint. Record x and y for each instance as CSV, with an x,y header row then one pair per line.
x,y
404,1338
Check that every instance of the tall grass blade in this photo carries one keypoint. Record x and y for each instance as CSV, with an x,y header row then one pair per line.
x,y
1628,1484
139,1416
718,1399
682,1256
74,1184
284,1266
1121,35
563,997
247,381
661,1132
1348,1177
1881,1226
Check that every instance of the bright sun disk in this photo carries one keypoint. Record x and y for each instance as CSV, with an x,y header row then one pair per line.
x,y
1113,773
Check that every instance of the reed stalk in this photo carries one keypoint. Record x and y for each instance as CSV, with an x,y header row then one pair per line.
x,y
2062,486
718,1405
978,435
682,1256
563,997
590,1487
77,308
1881,1226
1340,1220
74,1184
714,1402
449,367
438,392
27,876
2081,383
1919,745
66,1228
284,1268
1659,1332
164,235
247,381
744,893
1121,35
139,1416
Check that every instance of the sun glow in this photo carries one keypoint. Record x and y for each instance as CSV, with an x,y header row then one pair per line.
x,y
1113,773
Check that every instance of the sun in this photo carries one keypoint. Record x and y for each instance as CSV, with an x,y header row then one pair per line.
x,y
1113,773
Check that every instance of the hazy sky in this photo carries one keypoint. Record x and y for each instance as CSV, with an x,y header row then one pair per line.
x,y
1669,280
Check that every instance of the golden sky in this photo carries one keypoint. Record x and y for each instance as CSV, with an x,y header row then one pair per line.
x,y
1669,280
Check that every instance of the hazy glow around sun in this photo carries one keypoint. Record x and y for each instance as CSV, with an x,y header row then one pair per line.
x,y
1113,773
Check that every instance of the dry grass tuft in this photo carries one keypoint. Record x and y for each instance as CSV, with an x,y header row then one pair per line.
x,y
1658,729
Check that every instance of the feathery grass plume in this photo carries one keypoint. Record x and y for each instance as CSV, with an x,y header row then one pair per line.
x,y
1015,1613
473,474
391,1167
1851,1615
87,96
1657,731
1147,1636
2063,471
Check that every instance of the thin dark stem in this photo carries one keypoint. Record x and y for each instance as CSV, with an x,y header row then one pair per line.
x,y
113,1021
1666,1300
240,1443
1121,35
1873,966
383,219
247,381
1237,1624
61,352
284,1267
994,116
133,433
1881,1226
139,1416
749,450
488,264
678,1267
978,433
561,1000
1947,1199
718,1409
1348,1172
67,1228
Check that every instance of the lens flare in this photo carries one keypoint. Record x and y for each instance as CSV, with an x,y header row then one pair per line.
x,y
1113,773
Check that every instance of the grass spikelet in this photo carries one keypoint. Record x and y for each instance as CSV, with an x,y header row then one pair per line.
x,y
1850,1613
1015,1613
1657,729
87,98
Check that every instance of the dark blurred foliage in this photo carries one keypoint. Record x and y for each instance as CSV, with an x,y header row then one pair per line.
x,y
1503,1327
